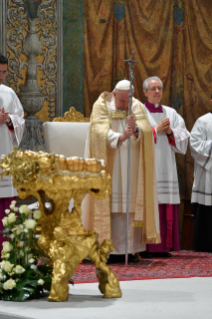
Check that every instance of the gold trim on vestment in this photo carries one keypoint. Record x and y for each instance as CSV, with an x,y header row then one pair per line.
x,y
116,115
138,224
156,240
145,195
100,126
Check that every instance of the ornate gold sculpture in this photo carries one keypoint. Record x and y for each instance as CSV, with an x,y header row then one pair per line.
x,y
62,236
72,116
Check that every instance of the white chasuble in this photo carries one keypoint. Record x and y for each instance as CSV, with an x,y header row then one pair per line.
x,y
10,138
166,171
119,188
201,151
119,180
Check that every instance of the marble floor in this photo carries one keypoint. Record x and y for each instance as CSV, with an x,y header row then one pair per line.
x,y
157,298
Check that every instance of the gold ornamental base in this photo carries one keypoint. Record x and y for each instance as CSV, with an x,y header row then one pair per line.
x,y
61,235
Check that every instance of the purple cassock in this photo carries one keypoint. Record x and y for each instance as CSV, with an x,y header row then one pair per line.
x,y
167,212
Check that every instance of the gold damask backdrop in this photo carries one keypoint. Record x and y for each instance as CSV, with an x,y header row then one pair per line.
x,y
170,38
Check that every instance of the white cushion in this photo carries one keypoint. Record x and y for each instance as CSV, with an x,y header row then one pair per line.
x,y
66,138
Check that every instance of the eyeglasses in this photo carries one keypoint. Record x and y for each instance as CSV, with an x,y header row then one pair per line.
x,y
3,72
159,88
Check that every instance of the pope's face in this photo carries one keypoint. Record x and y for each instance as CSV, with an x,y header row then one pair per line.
x,y
121,100
3,72
154,91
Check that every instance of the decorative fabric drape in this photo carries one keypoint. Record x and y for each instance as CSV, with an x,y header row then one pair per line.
x,y
170,38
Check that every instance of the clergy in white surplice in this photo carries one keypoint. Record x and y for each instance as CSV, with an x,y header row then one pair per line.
x,y
11,131
170,136
110,129
201,151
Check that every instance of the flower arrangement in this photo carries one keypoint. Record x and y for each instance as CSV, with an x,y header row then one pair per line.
x,y
21,277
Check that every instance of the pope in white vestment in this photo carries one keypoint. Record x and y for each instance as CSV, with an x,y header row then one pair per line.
x,y
11,132
121,127
171,136
201,151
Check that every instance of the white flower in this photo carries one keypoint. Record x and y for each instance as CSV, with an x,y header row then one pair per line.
x,y
18,229
2,263
32,260
7,256
29,256
9,284
12,207
7,211
37,214
12,218
21,253
24,209
1,277
40,282
19,269
26,230
4,277
30,223
7,247
13,202
7,266
21,243
0,271
36,236
16,209
5,221
12,236
33,267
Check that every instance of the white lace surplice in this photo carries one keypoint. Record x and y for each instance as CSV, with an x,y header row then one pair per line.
x,y
8,139
201,151
166,171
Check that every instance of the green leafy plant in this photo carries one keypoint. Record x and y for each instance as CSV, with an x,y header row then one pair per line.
x,y
21,275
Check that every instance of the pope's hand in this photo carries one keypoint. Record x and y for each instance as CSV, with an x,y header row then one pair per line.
x,y
126,134
131,122
164,126
4,117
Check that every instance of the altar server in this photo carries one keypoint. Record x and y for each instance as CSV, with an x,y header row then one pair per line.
x,y
11,131
110,130
170,136
201,151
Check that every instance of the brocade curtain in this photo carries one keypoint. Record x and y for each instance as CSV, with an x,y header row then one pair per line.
x,y
171,39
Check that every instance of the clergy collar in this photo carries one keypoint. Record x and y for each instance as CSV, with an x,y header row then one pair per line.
x,y
154,108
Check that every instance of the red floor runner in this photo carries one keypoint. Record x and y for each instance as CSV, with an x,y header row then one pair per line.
x,y
181,265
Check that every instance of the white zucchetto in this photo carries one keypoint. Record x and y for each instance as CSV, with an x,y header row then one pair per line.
x,y
123,85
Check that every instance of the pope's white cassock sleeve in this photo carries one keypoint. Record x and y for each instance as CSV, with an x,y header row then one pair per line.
x,y
166,170
10,138
201,151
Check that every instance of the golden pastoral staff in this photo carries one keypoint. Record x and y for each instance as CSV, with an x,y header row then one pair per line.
x,y
110,129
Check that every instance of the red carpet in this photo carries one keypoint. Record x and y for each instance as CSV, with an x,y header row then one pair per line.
x,y
181,265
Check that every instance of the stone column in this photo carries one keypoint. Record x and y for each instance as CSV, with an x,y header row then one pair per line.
x,y
35,45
